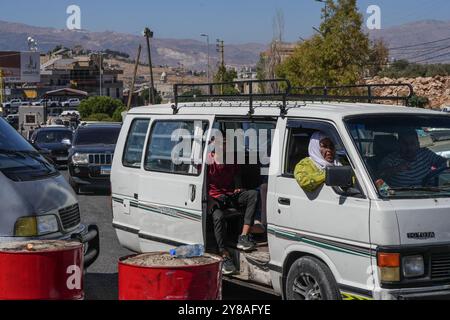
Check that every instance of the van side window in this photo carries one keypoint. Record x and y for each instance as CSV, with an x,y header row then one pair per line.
x,y
299,135
176,147
134,147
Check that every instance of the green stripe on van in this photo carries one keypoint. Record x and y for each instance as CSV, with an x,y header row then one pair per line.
x,y
334,247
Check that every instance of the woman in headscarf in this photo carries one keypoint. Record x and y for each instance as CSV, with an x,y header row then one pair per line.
x,y
310,172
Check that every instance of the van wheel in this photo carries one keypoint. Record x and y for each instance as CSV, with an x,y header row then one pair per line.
x,y
311,279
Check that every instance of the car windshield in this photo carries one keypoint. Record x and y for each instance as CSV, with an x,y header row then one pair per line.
x,y
18,159
89,136
406,155
53,136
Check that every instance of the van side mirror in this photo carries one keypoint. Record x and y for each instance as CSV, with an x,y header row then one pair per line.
x,y
341,177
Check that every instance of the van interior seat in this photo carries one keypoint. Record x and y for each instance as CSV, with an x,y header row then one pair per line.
x,y
383,145
298,150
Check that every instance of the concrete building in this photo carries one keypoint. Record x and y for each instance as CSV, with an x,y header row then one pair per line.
x,y
82,73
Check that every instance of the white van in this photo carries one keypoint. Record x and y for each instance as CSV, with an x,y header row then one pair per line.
x,y
358,242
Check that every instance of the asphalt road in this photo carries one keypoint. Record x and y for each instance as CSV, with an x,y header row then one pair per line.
x,y
101,277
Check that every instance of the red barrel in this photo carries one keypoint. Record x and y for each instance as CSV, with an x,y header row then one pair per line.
x,y
190,282
41,270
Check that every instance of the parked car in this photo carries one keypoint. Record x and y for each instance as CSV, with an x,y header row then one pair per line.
x,y
355,236
70,113
14,103
48,102
36,201
71,103
13,120
56,139
91,156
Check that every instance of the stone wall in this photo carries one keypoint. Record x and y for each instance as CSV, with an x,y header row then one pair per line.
x,y
437,89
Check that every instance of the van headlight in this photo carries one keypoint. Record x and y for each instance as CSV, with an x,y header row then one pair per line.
x,y
80,158
413,266
36,226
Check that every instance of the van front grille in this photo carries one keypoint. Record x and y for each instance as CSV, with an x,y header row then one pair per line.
x,y
70,216
101,158
440,266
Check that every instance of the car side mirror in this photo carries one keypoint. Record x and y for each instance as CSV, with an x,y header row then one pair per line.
x,y
66,142
341,177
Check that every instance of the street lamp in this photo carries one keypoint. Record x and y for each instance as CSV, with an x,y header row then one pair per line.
x,y
209,62
148,35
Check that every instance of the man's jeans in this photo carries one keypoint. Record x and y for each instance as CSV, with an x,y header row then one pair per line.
x,y
247,201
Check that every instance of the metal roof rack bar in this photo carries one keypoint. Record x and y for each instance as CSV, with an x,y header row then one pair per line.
x,y
285,92
283,85
324,93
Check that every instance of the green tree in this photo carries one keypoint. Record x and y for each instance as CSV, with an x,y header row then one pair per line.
x,y
336,56
103,108
225,75
144,97
418,101
378,57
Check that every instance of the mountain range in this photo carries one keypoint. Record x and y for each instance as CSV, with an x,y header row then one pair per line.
x,y
193,53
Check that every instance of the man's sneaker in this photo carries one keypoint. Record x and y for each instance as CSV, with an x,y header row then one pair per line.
x,y
245,243
228,266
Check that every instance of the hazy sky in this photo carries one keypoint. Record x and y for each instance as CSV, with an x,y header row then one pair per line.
x,y
235,21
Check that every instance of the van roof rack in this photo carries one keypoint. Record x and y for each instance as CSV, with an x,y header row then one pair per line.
x,y
245,90
356,93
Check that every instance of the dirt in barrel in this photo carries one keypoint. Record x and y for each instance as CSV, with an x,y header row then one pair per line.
x,y
165,260
37,246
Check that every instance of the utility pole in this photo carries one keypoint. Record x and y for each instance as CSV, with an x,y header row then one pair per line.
x,y
221,50
209,60
148,35
101,73
325,9
1,89
130,94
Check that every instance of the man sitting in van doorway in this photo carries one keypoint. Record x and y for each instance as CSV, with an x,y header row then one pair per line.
x,y
225,193
411,164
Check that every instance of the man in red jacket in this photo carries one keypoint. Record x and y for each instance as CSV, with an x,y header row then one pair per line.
x,y
224,189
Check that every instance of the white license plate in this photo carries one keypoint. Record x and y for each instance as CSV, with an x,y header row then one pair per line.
x,y
62,158
105,171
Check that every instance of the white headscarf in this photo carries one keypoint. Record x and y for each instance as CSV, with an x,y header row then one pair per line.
x,y
316,155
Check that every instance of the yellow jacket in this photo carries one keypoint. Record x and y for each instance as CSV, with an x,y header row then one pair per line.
x,y
308,175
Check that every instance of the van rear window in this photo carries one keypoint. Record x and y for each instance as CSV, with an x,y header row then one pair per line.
x,y
132,156
176,147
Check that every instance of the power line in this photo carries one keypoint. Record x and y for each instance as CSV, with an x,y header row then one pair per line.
x,y
420,50
432,58
420,44
431,52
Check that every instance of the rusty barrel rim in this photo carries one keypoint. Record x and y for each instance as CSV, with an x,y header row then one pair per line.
x,y
215,260
65,246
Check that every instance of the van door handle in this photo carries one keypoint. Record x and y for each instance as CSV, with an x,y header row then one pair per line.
x,y
284,201
192,191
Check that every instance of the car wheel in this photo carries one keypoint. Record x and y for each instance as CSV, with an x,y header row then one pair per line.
x,y
75,186
311,279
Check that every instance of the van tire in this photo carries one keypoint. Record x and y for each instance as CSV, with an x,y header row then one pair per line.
x,y
310,279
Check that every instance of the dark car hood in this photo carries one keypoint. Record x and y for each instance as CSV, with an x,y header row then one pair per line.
x,y
93,148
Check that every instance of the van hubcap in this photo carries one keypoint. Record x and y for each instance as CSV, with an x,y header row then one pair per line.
x,y
307,288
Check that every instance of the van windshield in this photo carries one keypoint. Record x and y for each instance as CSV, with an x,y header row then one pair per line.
x,y
19,161
406,155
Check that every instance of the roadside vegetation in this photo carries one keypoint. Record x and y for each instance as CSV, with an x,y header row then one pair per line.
x,y
101,109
